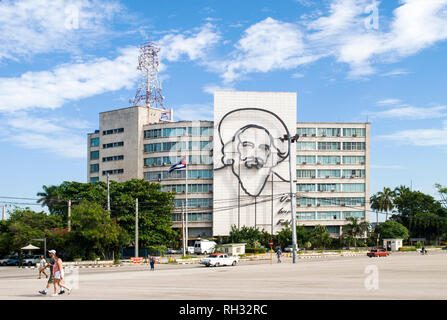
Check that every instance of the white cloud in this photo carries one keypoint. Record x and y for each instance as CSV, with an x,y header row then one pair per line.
x,y
210,88
174,46
69,82
388,102
412,113
297,75
194,112
396,72
420,137
30,27
265,46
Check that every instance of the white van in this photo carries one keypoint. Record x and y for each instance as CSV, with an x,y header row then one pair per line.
x,y
204,246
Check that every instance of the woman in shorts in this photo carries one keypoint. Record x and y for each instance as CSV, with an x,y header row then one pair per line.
x,y
58,275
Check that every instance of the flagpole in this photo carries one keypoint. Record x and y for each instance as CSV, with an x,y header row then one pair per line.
x,y
186,202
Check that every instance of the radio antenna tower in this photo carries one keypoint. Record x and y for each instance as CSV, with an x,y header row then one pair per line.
x,y
149,89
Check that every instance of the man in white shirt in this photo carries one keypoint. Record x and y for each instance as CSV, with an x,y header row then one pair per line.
x,y
42,266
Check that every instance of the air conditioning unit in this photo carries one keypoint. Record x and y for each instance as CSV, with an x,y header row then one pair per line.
x,y
304,162
327,177
314,134
211,191
343,205
313,177
309,204
354,135
318,204
304,135
338,162
298,205
318,162
323,135
362,162
352,177
338,134
198,177
332,190
343,177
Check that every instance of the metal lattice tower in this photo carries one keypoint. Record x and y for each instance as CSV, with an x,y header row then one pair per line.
x,y
149,89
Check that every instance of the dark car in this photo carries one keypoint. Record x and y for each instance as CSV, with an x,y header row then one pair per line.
x,y
10,261
377,253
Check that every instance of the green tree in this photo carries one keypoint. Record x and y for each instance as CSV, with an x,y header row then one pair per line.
x,y
321,237
385,200
391,229
96,231
354,229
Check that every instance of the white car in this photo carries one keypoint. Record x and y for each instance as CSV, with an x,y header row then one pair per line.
x,y
219,259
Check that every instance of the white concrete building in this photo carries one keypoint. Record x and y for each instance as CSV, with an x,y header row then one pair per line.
x,y
238,165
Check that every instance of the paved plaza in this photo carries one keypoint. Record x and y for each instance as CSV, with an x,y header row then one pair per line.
x,y
399,276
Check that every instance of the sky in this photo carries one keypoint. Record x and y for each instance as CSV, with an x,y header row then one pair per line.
x,y
64,61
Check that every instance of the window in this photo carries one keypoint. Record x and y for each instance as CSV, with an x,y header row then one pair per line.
x,y
113,145
194,202
305,159
305,173
153,133
306,132
305,215
111,172
194,216
353,187
94,155
353,160
354,132
94,179
94,167
333,229
329,159
326,145
200,131
152,147
178,174
303,202
174,132
329,187
112,158
192,188
200,145
112,131
356,173
308,145
329,132
356,214
174,146
329,173
305,187
354,145
328,215
94,142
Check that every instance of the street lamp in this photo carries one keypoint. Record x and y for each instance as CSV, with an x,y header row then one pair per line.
x,y
44,240
292,139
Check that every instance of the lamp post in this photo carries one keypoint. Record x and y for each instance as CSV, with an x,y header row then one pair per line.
x,y
44,240
292,139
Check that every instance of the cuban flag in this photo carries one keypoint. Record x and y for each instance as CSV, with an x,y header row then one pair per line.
x,y
179,165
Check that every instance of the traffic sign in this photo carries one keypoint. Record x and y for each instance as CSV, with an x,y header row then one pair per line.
x,y
271,243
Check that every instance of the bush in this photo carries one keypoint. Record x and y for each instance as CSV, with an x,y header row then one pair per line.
x,y
407,249
418,245
255,250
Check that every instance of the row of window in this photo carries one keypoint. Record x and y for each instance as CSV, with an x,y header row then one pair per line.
x,y
112,131
329,215
178,174
178,146
194,202
330,159
330,202
330,187
330,145
111,172
159,161
194,217
331,132
178,132
330,173
113,145
192,188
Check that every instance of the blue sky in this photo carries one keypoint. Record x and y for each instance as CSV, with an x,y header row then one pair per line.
x,y
62,62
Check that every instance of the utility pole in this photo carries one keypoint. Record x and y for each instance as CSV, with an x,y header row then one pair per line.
x,y
4,213
69,215
183,231
136,228
108,194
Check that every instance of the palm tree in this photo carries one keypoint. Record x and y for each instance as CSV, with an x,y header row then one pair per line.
x,y
49,197
374,201
355,228
385,200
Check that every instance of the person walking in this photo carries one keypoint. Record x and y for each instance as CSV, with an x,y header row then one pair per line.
x,y
58,274
278,253
42,265
152,262
52,254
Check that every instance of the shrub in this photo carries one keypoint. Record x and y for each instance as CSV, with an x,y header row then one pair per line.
x,y
407,249
255,250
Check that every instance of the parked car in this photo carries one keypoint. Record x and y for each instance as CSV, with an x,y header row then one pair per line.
x,y
219,259
290,249
31,260
11,260
175,251
378,253
204,246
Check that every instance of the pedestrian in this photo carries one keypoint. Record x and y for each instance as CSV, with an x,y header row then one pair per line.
x,y
52,254
58,274
42,265
278,253
152,262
